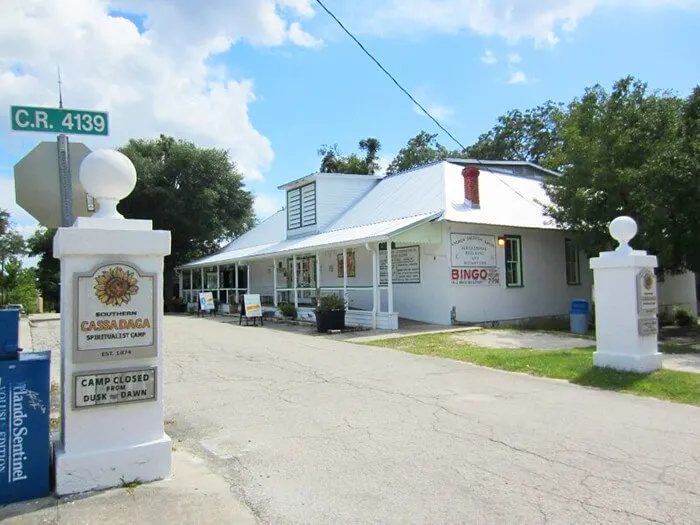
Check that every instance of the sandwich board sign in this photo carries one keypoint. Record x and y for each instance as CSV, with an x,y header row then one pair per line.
x,y
206,300
253,308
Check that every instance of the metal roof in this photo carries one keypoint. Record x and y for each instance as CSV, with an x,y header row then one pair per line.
x,y
321,241
505,164
397,203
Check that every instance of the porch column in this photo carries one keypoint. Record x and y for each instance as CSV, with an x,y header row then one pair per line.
x,y
218,283
389,278
236,282
201,281
375,287
274,281
191,282
247,280
318,277
345,277
294,281
180,282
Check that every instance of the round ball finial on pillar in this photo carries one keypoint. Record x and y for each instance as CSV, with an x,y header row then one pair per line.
x,y
623,229
109,176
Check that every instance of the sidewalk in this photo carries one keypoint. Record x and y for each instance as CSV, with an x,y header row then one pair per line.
x,y
195,494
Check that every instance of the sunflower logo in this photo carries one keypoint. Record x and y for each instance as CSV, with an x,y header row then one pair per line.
x,y
648,281
116,286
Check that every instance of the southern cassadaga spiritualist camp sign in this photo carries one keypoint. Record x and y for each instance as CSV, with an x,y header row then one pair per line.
x,y
115,314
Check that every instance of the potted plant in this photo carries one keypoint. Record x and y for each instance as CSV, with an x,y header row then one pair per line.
x,y
330,314
288,311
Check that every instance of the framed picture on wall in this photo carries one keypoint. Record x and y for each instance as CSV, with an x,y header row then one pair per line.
x,y
351,264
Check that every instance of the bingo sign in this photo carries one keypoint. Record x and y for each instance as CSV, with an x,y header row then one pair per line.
x,y
473,259
115,314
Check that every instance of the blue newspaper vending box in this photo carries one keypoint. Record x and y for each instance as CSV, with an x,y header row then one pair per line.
x,y
24,427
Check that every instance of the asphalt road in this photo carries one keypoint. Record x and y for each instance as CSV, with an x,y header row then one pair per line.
x,y
310,430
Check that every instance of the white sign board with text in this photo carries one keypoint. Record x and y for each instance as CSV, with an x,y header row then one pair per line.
x,y
253,308
115,314
109,388
473,260
405,265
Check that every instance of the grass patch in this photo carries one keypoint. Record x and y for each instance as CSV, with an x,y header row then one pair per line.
x,y
676,348
130,486
574,365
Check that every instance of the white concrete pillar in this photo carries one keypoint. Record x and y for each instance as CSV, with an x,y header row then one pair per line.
x,y
626,305
274,281
345,277
389,278
294,281
247,278
112,389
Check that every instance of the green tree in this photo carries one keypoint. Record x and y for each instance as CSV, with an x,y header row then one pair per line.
x,y
12,248
532,135
196,193
333,161
20,285
630,152
421,149
48,268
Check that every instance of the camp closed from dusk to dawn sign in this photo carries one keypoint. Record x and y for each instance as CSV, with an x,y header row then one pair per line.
x,y
115,314
473,260
109,388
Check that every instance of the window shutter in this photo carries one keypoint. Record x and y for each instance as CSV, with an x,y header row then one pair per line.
x,y
294,209
308,198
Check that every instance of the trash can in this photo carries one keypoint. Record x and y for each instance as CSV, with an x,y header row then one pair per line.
x,y
578,316
24,416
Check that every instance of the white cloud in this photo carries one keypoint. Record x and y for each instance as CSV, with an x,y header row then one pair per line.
x,y
383,165
7,202
518,77
428,101
514,58
159,81
512,20
488,57
265,205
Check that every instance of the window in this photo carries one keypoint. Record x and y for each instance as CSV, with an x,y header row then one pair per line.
x,y
514,262
573,270
301,206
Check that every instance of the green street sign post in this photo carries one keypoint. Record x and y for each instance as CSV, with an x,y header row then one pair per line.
x,y
61,121
58,120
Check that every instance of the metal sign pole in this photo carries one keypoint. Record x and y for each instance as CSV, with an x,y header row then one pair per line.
x,y
65,181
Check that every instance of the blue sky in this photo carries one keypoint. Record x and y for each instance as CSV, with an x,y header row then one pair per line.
x,y
273,80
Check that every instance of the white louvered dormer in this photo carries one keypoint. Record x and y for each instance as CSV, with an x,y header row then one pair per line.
x,y
301,207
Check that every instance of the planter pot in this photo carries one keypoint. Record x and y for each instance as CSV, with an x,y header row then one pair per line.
x,y
330,321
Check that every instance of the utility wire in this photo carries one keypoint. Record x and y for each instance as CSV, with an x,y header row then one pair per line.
x,y
393,79
405,91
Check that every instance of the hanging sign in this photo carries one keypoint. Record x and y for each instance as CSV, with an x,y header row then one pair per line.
x,y
405,265
253,308
115,314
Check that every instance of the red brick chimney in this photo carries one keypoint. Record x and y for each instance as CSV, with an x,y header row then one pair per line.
x,y
471,186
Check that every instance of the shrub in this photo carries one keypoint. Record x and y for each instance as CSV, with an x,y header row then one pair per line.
x,y
331,303
666,318
682,316
288,310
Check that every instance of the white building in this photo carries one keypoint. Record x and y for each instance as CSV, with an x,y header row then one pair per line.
x,y
464,241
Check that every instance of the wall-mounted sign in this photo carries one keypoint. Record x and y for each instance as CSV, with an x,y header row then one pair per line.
x,y
647,301
648,326
115,314
253,308
206,301
469,250
351,263
478,276
109,388
405,265
473,259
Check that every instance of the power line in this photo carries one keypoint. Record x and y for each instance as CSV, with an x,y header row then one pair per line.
x,y
393,79
330,13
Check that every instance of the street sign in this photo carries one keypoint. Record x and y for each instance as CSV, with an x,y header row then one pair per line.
x,y
38,186
55,120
